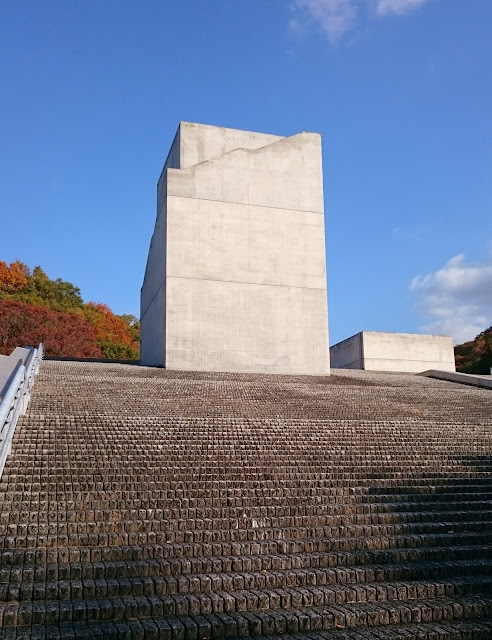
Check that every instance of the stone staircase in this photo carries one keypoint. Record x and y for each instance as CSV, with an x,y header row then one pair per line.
x,y
142,503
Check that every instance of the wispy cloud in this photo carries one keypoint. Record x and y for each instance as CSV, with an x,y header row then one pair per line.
x,y
457,298
337,17
399,7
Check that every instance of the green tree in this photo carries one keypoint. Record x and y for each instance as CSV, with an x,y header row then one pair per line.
x,y
58,294
133,325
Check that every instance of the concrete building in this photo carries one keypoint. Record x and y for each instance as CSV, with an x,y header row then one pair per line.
x,y
236,275
403,352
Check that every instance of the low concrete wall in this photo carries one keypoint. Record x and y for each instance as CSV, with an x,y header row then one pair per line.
x,y
484,382
101,360
403,352
8,365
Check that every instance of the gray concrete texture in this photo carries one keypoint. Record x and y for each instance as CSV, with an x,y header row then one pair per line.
x,y
236,275
8,366
403,352
470,379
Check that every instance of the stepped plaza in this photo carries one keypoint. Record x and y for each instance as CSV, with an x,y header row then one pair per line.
x,y
147,503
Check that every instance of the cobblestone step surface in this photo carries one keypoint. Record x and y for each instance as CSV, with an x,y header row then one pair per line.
x,y
142,503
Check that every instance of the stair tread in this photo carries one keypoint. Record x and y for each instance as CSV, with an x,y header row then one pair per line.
x,y
345,615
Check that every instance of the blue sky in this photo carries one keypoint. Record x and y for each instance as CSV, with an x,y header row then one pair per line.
x,y
401,91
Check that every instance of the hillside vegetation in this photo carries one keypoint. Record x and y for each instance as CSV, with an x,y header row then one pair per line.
x,y
475,356
34,309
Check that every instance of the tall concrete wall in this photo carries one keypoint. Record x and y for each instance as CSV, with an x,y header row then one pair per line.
x,y
404,352
348,354
236,276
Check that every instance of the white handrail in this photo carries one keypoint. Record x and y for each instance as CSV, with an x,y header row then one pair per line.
x,y
16,398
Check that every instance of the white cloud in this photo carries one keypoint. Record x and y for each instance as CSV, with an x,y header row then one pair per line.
x,y
337,17
457,297
387,7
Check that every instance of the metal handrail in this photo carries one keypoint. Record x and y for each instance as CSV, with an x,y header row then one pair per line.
x,y
15,400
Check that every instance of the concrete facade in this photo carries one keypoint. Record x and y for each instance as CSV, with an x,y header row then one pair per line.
x,y
403,352
236,275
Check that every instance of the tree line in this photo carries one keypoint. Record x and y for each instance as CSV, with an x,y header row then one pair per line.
x,y
475,356
34,309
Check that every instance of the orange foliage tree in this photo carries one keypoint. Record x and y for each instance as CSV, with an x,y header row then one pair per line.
x,y
13,278
113,335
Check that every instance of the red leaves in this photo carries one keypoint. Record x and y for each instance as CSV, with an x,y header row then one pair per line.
x,y
63,334
113,332
36,309
109,327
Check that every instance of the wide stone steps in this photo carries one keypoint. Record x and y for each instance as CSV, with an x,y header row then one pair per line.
x,y
259,621
140,503
247,591
244,485
73,483
176,576
211,626
337,504
150,509
219,530
334,514
185,546
165,489
269,554
187,520
462,630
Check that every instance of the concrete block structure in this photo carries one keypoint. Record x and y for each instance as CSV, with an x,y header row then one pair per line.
x,y
403,352
236,275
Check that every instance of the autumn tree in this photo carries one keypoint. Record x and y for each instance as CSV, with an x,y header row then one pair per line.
x,y
133,326
13,277
475,356
62,334
113,335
